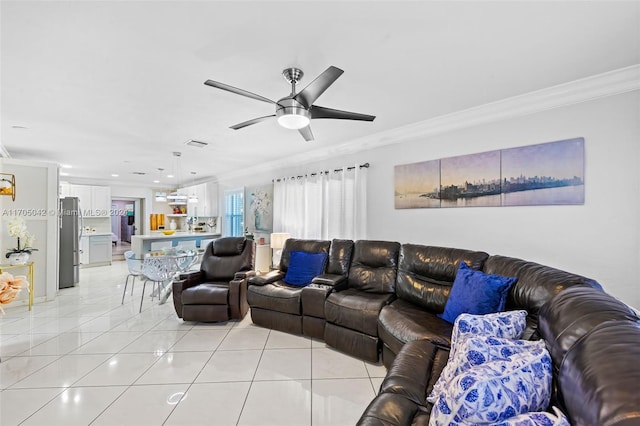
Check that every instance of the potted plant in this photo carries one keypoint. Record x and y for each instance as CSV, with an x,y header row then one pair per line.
x,y
21,253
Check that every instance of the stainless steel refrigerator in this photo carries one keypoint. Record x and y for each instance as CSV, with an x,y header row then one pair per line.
x,y
70,234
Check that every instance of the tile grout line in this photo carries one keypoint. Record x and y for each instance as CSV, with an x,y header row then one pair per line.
x,y
197,375
244,403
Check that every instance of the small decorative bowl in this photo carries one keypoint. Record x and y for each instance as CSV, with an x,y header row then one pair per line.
x,y
168,231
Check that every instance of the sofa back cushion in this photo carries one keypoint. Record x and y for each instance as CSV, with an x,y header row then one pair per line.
x,y
426,273
536,285
599,376
573,313
340,255
374,266
226,256
309,246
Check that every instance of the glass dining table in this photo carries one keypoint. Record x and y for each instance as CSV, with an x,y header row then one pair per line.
x,y
162,267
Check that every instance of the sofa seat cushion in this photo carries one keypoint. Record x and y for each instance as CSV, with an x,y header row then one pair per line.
x,y
278,296
401,400
206,294
356,309
401,322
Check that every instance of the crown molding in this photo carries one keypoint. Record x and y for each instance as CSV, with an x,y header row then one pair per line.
x,y
610,83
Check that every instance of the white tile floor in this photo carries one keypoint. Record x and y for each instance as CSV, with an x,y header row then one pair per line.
x,y
85,359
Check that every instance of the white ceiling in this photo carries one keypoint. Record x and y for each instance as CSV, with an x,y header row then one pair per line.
x,y
116,87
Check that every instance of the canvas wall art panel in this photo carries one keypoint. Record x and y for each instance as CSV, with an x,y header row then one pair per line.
x,y
544,174
259,208
417,185
470,180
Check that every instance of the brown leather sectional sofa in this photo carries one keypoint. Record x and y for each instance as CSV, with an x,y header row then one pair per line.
x,y
381,297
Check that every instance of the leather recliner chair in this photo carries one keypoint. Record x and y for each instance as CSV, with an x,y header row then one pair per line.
x,y
352,309
274,303
218,291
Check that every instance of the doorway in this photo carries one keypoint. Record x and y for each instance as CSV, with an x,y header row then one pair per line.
x,y
125,221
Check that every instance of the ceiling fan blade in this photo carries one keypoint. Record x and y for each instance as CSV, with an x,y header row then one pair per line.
x,y
306,133
250,122
237,91
309,94
322,112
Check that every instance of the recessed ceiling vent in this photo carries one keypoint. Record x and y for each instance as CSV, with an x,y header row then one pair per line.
x,y
139,173
197,144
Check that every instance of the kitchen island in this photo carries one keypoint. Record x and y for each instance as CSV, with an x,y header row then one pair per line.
x,y
141,244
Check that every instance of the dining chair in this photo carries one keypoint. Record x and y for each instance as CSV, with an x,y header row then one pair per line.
x,y
158,270
135,270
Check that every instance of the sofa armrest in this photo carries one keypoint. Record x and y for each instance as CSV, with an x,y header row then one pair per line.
x,y
191,276
238,305
335,281
244,275
269,277
411,371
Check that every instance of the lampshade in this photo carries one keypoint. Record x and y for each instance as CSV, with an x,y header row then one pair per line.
x,y
278,239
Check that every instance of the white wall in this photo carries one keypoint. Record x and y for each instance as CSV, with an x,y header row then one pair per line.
x,y
37,203
599,239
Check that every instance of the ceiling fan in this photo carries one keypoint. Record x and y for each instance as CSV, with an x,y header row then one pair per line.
x,y
296,110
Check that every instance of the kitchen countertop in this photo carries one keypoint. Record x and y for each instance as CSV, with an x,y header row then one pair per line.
x,y
160,236
95,234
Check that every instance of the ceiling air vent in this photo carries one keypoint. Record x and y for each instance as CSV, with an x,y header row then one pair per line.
x,y
139,173
197,144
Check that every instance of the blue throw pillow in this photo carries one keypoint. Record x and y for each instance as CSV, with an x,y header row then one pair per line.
x,y
474,292
303,267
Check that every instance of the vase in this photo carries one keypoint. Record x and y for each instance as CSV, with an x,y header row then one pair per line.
x,y
19,258
258,221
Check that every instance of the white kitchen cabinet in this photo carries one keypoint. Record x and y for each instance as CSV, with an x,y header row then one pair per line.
x,y
95,201
210,206
101,200
99,249
83,192
207,204
95,250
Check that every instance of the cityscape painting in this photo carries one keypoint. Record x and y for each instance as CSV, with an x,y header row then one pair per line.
x,y
417,185
470,180
544,174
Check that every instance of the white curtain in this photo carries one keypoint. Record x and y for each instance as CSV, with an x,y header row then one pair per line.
x,y
323,205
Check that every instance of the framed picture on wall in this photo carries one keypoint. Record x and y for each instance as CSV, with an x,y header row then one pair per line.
x,y
544,174
417,185
259,208
470,180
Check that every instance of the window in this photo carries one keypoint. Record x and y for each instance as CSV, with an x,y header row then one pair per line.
x,y
234,213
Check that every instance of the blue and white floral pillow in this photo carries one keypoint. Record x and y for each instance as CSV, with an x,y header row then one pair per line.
x,y
508,325
496,391
474,351
539,418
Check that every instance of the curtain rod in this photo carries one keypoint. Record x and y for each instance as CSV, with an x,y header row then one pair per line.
x,y
362,166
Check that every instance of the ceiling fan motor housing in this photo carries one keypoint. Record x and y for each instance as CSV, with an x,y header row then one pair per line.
x,y
292,114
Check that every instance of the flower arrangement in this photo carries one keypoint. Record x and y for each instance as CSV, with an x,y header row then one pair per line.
x,y
18,229
10,287
260,202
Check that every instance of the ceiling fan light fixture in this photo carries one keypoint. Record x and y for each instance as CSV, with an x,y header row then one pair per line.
x,y
293,117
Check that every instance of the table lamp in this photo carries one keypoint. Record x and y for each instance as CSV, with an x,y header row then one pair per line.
x,y
277,244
